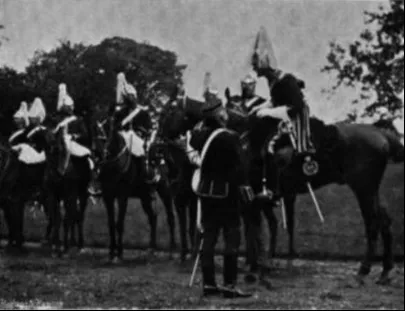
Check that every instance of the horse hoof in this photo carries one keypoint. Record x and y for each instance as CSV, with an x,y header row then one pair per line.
x,y
384,280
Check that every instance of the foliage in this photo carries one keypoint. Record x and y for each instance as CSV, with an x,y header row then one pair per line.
x,y
375,62
12,92
90,74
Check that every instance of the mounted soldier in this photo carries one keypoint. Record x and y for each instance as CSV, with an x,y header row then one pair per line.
x,y
75,134
217,153
251,102
25,144
132,120
286,93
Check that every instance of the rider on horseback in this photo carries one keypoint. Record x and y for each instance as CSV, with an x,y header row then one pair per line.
x,y
75,133
250,101
25,144
286,94
127,108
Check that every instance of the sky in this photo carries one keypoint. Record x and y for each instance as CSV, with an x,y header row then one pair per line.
x,y
210,35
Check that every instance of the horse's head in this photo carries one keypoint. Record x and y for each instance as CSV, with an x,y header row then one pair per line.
x,y
179,115
232,100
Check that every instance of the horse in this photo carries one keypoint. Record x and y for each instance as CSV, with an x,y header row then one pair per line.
x,y
19,184
169,157
66,183
121,179
361,152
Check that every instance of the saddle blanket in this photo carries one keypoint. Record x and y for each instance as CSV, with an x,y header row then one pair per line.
x,y
29,155
134,143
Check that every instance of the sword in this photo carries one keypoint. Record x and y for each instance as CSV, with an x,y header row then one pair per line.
x,y
283,213
199,228
318,209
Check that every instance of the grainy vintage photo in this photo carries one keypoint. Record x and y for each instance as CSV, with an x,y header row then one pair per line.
x,y
216,154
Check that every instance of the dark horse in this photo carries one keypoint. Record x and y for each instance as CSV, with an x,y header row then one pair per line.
x,y
19,183
66,183
362,153
169,156
121,179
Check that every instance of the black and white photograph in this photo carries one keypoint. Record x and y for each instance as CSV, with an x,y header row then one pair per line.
x,y
202,154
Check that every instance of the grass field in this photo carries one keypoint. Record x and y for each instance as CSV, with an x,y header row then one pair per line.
x,y
155,281
341,236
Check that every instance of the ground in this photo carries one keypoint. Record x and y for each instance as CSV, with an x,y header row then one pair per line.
x,y
158,280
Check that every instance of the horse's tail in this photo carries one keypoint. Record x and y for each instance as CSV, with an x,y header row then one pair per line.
x,y
396,151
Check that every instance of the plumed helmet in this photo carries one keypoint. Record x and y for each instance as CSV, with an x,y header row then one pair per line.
x,y
263,53
124,88
63,97
22,113
37,110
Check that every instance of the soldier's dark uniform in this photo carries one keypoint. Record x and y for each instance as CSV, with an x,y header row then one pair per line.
x,y
222,174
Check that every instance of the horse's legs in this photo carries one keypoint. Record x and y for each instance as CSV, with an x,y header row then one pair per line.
x,y
53,204
20,232
82,211
152,217
289,202
273,226
109,204
122,210
386,234
164,193
181,207
69,221
369,209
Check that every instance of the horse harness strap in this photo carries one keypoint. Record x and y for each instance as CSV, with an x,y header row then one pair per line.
x,y
64,123
15,135
197,173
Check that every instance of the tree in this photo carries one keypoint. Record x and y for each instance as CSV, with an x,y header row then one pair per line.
x,y
90,72
12,93
375,62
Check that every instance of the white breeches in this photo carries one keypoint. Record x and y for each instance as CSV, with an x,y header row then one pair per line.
x,y
75,148
134,142
29,155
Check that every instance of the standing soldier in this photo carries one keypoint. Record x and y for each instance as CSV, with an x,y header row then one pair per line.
x,y
218,154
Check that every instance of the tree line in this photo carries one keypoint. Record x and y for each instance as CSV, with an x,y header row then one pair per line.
x,y
374,64
89,72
